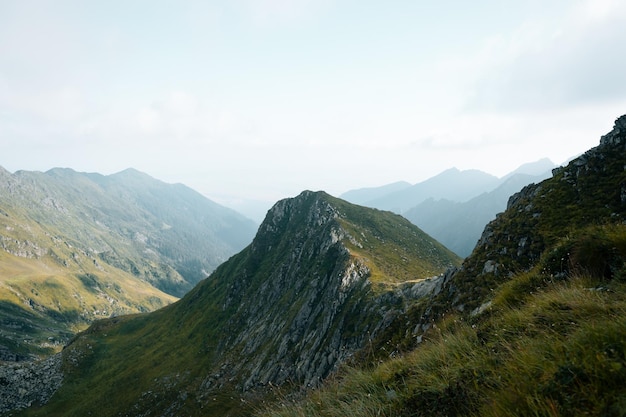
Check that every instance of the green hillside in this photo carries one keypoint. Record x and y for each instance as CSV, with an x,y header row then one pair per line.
x,y
75,247
286,311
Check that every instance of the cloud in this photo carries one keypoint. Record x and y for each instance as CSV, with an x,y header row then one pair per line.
x,y
550,64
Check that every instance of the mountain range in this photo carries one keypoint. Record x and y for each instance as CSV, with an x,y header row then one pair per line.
x,y
378,317
453,206
78,246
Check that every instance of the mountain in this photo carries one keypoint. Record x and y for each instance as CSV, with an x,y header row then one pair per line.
x,y
454,206
363,195
321,278
532,323
459,225
132,212
78,246
534,169
451,184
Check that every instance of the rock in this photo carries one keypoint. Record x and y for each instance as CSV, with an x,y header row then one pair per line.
x,y
481,309
490,267
23,384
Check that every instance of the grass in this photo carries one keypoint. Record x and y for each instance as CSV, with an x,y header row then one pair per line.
x,y
42,304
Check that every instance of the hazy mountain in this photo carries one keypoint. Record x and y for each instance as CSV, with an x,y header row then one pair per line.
x,y
318,282
459,225
534,169
451,220
77,246
252,209
451,184
363,195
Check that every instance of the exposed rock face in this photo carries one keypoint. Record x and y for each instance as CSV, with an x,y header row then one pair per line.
x,y
25,384
316,300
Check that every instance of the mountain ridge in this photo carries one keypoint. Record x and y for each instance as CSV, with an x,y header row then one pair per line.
x,y
320,278
459,225
451,219
79,246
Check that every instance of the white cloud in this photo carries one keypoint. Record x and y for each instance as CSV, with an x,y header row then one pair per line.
x,y
550,64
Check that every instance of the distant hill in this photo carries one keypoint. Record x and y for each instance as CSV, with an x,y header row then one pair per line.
x,y
363,195
454,206
321,278
534,169
78,246
459,225
451,184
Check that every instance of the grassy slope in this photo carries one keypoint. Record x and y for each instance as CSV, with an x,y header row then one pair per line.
x,y
88,246
399,250
545,347
43,304
55,288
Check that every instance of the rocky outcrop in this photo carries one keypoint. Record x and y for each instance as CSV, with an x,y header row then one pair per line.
x,y
315,298
24,384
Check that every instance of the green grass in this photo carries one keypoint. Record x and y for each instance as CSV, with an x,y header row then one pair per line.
x,y
42,304
146,362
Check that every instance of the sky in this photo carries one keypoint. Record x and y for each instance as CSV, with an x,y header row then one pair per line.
x,y
257,100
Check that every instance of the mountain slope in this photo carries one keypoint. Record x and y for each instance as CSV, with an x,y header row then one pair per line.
x,y
78,246
169,223
458,225
321,278
533,323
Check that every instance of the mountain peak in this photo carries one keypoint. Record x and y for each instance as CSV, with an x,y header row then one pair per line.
x,y
314,260
315,202
616,135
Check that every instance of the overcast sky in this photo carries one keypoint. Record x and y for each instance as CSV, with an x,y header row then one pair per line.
x,y
260,99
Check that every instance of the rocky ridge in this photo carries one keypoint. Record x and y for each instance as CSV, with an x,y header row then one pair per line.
x,y
309,300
